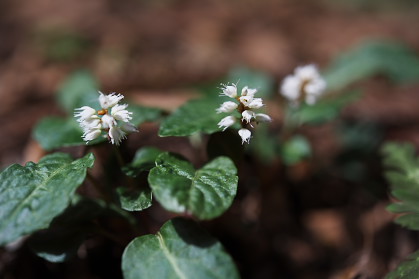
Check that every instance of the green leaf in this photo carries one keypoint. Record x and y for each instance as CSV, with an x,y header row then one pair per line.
x,y
134,200
32,195
370,58
68,231
408,269
206,193
144,160
56,132
141,114
79,89
323,111
295,149
403,174
193,117
180,250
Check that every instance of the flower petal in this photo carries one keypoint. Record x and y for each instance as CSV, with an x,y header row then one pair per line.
x,y
107,101
307,72
227,107
261,117
227,122
229,91
116,135
247,115
245,134
119,112
256,103
246,91
91,134
108,121
128,128
290,88
246,100
84,113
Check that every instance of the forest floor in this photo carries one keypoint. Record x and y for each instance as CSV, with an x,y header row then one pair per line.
x,y
309,221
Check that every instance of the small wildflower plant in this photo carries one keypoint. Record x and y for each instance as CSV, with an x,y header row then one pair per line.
x,y
245,105
111,122
41,199
306,84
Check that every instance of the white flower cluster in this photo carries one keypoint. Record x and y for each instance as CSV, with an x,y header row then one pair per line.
x,y
305,84
112,121
244,104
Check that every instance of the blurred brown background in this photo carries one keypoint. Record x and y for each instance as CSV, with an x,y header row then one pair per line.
x,y
138,47
152,51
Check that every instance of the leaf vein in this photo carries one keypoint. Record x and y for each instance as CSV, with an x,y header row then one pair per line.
x,y
169,256
39,187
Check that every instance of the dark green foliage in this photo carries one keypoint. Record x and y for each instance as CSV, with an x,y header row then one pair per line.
x,y
180,250
68,231
403,174
196,116
144,160
205,193
408,269
394,60
134,200
32,195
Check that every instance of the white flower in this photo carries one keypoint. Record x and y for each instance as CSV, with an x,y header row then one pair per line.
x,y
108,121
84,113
290,88
119,112
227,122
91,122
107,101
314,89
91,134
228,106
256,103
245,134
261,117
246,100
230,91
128,128
246,91
246,106
248,115
307,72
113,119
306,82
116,135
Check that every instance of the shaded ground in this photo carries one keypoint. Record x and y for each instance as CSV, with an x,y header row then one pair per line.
x,y
308,221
